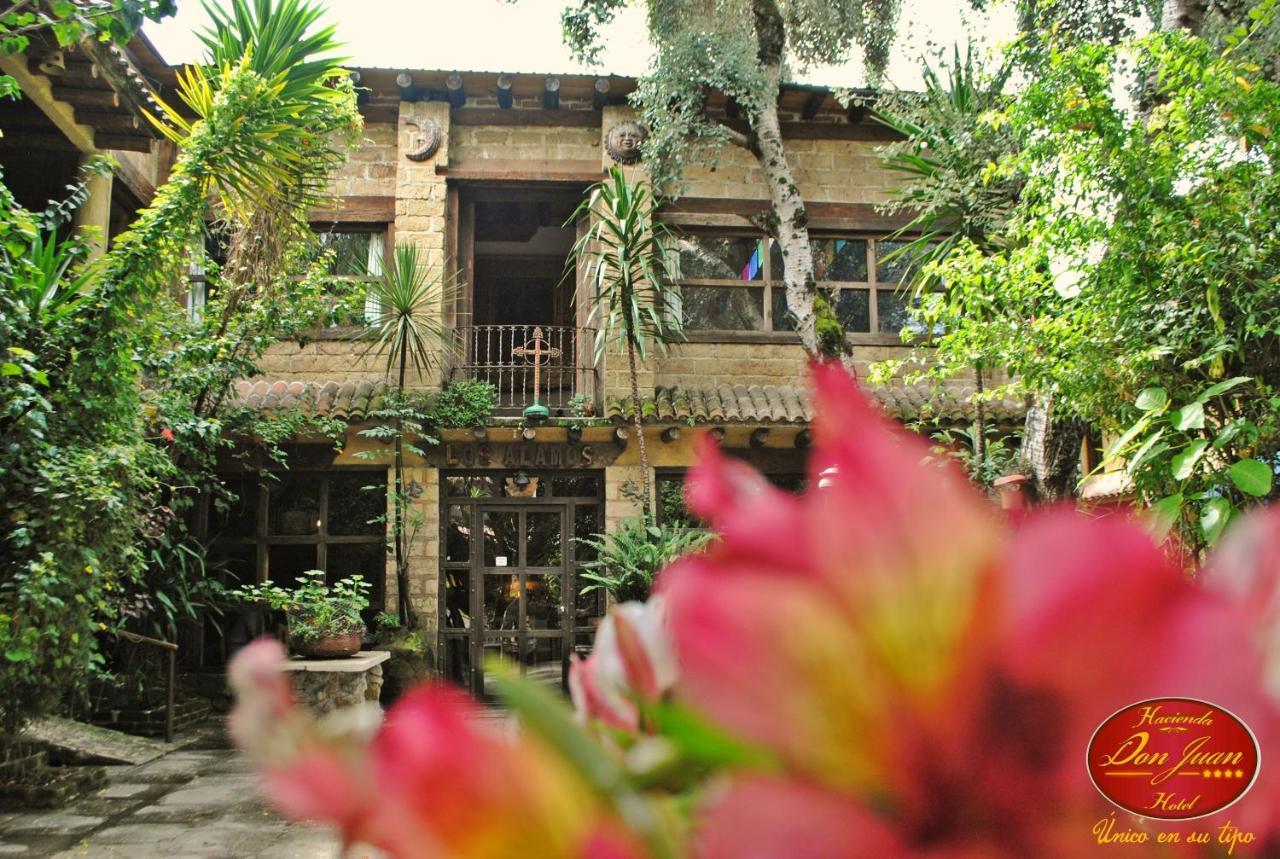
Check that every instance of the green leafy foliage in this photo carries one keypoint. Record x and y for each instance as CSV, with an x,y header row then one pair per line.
x,y
315,609
114,403
1202,487
70,21
464,403
1129,275
627,559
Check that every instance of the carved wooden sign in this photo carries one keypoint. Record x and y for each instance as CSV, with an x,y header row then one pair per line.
x,y
527,455
425,141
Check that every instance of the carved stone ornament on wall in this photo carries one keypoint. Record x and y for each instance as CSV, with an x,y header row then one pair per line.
x,y
623,141
426,140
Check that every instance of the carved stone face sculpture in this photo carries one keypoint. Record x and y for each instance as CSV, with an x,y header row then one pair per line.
x,y
623,142
425,142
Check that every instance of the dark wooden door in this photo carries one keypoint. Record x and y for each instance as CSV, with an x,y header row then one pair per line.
x,y
519,584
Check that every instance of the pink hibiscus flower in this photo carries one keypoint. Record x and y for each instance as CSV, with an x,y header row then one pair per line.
x,y
927,675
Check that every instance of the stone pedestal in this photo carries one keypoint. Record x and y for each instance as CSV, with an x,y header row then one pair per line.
x,y
323,685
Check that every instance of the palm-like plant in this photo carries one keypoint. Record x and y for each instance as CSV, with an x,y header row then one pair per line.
x,y
947,159
289,91
624,258
407,330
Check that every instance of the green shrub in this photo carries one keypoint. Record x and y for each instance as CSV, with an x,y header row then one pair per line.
x,y
314,609
464,403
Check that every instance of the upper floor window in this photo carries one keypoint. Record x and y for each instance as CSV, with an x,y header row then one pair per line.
x,y
734,283
357,254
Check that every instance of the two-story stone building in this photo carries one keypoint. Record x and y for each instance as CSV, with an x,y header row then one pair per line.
x,y
483,172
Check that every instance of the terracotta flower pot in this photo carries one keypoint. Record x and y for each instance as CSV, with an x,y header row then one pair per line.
x,y
328,646
1011,491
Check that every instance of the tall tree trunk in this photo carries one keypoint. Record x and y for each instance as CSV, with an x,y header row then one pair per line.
x,y
979,424
789,221
1052,450
1183,14
646,491
407,618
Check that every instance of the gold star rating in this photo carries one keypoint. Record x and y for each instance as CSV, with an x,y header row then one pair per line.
x,y
1239,773
1207,774
1217,773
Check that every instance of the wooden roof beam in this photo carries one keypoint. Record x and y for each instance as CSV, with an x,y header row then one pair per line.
x,y
551,93
505,95
457,94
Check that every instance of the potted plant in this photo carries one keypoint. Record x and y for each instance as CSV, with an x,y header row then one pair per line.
x,y
324,621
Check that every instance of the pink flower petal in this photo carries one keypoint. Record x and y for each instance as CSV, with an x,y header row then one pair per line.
x,y
761,818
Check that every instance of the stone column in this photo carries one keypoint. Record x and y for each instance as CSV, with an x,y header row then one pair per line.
x,y
421,220
93,219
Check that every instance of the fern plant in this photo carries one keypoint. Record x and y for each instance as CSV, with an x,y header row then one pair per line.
x,y
627,560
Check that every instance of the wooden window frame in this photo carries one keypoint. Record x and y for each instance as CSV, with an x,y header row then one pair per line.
x,y
262,540
769,282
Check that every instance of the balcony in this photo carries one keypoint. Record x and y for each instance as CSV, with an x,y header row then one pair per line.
x,y
557,359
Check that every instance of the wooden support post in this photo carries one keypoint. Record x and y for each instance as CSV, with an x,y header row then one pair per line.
x,y
457,95
759,436
551,93
505,96
169,704
670,434
408,92
600,95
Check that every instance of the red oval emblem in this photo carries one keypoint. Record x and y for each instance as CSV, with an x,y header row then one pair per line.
x,y
1173,758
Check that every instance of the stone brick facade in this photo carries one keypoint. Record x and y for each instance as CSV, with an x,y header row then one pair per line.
x,y
526,147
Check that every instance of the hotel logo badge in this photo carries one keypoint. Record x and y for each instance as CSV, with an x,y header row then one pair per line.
x,y
1173,758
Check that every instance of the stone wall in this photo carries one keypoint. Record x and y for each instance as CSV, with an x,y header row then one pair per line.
x,y
504,144
370,170
337,360
841,171
701,365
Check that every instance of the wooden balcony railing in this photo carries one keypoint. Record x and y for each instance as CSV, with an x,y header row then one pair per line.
x,y
505,356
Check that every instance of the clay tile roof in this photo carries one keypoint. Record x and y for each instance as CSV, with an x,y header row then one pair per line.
x,y
789,404
352,401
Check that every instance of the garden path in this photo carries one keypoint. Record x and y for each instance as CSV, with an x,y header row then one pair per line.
x,y
200,801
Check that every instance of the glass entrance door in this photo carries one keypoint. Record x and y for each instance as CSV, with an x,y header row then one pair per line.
x,y
509,587
521,585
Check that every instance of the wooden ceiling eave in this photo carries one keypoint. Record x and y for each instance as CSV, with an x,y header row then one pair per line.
x,y
106,94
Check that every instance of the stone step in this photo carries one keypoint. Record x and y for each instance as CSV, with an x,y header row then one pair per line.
x,y
51,787
83,743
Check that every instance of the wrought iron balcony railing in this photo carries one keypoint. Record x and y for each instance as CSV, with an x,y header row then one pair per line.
x,y
555,362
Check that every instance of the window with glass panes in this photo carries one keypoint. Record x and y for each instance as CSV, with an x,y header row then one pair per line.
x,y
284,524
357,255
673,508
733,283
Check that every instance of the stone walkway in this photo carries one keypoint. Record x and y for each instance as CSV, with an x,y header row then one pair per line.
x,y
199,802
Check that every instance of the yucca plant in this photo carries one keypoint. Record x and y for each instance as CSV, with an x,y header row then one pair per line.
x,y
408,330
623,254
